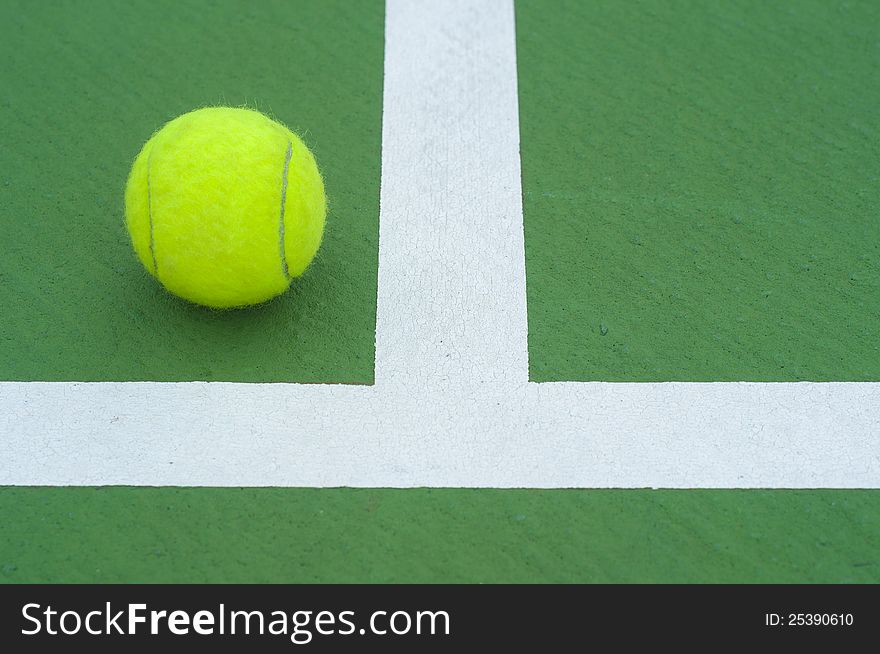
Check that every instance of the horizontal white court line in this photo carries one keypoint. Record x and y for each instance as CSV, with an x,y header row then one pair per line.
x,y
452,405
674,435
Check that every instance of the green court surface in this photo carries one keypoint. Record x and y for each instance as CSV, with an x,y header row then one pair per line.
x,y
700,183
332,535
700,186
86,83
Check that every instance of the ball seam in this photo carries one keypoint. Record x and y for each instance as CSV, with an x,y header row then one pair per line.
x,y
150,216
287,156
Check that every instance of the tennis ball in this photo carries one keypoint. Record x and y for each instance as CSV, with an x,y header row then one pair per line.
x,y
225,206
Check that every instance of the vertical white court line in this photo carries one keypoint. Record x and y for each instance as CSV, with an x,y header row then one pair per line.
x,y
451,306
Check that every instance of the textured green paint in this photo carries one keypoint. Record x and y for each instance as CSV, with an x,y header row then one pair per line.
x,y
84,85
701,189
335,535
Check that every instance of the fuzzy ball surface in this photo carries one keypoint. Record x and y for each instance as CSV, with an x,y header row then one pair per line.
x,y
225,206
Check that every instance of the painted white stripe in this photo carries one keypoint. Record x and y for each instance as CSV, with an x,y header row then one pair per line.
x,y
532,435
452,290
451,405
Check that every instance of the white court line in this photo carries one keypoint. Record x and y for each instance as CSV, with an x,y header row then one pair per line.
x,y
452,405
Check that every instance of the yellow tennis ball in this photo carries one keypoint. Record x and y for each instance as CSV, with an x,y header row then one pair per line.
x,y
225,206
